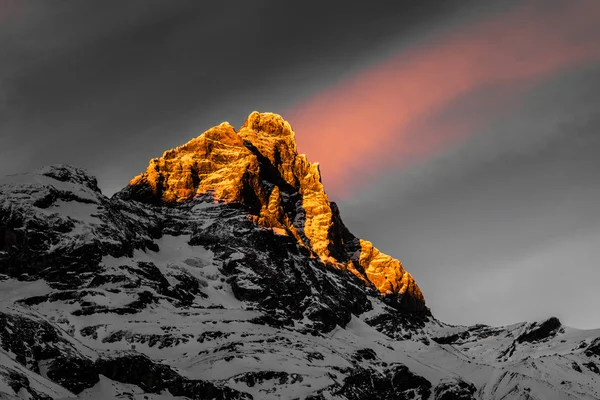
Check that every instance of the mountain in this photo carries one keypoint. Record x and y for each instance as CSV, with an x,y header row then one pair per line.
x,y
224,272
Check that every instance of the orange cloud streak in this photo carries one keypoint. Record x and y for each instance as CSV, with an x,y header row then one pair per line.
x,y
392,114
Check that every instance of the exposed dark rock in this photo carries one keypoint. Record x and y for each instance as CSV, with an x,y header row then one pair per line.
x,y
395,383
592,367
365,354
594,348
451,339
138,370
154,378
19,382
274,320
145,298
314,355
91,331
476,332
259,377
31,340
67,173
399,325
281,280
166,340
508,352
203,390
545,330
455,389
212,335
75,374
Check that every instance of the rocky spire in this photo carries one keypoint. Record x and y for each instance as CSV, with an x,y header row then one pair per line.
x,y
259,167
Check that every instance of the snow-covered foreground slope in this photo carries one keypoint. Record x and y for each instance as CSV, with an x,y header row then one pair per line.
x,y
111,298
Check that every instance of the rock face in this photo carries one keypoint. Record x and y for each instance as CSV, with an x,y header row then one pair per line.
x,y
455,389
543,331
260,168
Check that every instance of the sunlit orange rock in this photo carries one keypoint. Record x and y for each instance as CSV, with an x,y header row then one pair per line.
x,y
259,166
387,273
274,138
214,161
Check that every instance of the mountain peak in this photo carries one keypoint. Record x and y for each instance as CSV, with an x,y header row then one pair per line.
x,y
259,167
268,123
68,173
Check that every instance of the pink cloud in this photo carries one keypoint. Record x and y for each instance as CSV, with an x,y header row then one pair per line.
x,y
391,114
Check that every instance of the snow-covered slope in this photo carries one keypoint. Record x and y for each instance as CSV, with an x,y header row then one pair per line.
x,y
123,298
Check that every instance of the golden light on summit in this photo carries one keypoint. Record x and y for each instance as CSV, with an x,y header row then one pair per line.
x,y
233,167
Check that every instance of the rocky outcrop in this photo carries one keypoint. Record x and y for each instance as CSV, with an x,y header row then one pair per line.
x,y
474,333
393,382
56,223
547,329
594,348
259,167
592,367
155,378
19,383
455,389
216,161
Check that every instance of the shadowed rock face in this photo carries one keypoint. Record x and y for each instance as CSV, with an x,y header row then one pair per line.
x,y
259,167
454,389
545,330
594,348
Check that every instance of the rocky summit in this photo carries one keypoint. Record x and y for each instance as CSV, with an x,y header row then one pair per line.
x,y
259,167
224,272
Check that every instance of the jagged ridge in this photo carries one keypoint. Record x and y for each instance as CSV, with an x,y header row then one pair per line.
x,y
260,167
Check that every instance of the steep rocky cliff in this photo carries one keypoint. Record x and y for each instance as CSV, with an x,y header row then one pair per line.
x,y
260,167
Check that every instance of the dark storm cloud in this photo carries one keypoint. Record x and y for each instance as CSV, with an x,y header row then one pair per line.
x,y
107,85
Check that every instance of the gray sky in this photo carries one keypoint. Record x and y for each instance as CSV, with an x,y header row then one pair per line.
x,y
505,227
108,85
460,137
